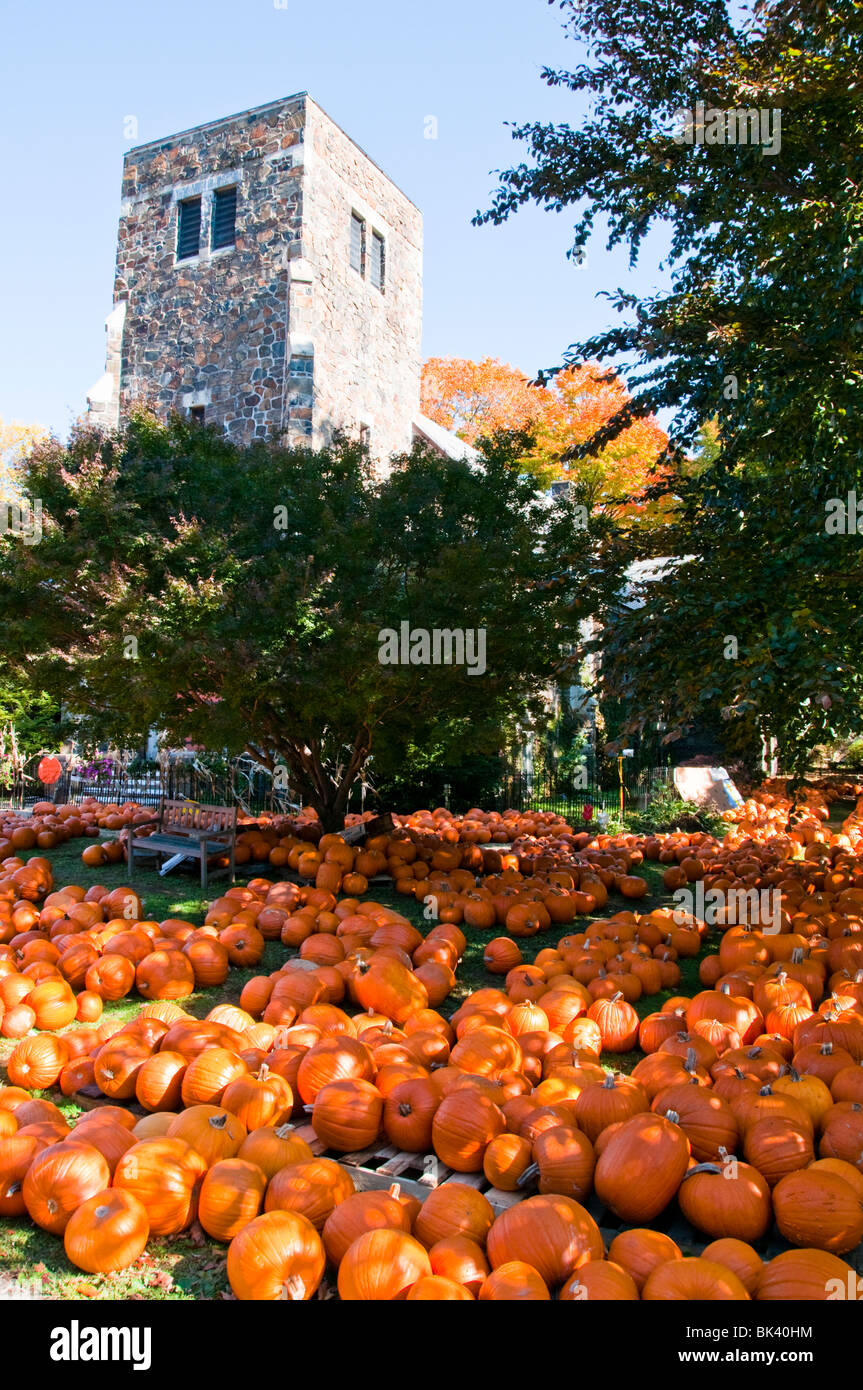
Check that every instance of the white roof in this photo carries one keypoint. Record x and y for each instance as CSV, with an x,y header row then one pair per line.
x,y
444,439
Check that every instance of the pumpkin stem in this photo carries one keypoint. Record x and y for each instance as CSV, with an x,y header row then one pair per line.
x,y
530,1174
218,1121
797,955
703,1168
283,1131
691,1061
293,1289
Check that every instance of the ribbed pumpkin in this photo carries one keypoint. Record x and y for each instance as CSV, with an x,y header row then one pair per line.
x,y
59,1180
387,986
460,1259
618,1023
212,1132
347,1115
107,1232
818,1210
726,1202
37,1062
359,1213
805,1276
487,1051
707,1121
231,1196
505,1161
600,1281
551,1233
17,1152
514,1282
261,1099
313,1187
641,1251
435,1288
642,1166
111,1139
277,1256
694,1280
842,1135
164,1175
775,1148
454,1209
464,1125
604,1103
209,1074
334,1058
740,1258
564,1162
382,1266
409,1111
274,1148
159,1081
117,1063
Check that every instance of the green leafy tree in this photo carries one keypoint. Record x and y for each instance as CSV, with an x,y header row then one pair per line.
x,y
760,331
237,597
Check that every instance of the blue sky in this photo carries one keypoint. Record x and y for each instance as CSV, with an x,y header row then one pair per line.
x,y
75,72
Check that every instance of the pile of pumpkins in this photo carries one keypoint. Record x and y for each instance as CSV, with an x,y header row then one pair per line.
x,y
65,953
510,1087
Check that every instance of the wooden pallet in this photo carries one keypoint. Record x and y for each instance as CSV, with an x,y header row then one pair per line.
x,y
380,1165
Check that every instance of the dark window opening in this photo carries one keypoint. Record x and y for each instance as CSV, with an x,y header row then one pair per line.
x,y
224,217
188,228
358,244
197,413
378,265
366,436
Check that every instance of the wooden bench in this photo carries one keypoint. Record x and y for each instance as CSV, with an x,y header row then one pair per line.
x,y
188,830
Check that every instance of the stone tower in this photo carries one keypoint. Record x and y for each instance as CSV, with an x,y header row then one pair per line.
x,y
269,278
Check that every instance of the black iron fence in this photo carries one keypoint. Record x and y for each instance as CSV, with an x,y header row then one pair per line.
x,y
250,789
493,784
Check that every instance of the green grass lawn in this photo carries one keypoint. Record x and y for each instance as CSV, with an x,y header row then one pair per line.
x,y
192,1266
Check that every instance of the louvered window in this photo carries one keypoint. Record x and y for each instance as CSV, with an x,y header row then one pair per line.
x,y
224,217
378,261
188,228
358,243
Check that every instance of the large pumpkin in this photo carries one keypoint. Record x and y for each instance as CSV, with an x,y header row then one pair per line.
x,y
385,985
464,1125
59,1180
819,1210
726,1202
277,1256
359,1213
335,1058
551,1233
806,1276
564,1161
600,1281
231,1196
313,1188
694,1280
382,1266
641,1251
454,1209
641,1167
347,1115
212,1132
107,1232
164,1175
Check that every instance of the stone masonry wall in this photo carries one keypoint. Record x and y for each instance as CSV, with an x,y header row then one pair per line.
x,y
367,343
277,332
211,330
